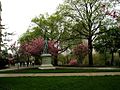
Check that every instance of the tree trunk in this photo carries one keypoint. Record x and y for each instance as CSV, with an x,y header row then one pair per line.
x,y
105,56
112,59
28,60
55,61
119,55
90,47
80,59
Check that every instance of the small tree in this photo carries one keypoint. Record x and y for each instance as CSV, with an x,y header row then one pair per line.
x,y
80,51
55,27
35,47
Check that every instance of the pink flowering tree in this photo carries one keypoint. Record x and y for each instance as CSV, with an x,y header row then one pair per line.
x,y
73,62
80,51
53,48
36,46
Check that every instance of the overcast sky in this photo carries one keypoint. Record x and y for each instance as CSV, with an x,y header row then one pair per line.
x,y
17,14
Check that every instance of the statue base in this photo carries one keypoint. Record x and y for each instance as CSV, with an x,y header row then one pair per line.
x,y
46,62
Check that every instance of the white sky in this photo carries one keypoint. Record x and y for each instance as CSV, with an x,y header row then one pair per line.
x,y
17,14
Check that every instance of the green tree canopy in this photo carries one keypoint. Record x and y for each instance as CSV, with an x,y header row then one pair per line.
x,y
88,16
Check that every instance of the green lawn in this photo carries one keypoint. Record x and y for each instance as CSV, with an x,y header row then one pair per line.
x,y
61,83
35,70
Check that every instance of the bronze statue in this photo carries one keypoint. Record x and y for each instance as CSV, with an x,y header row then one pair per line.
x,y
45,49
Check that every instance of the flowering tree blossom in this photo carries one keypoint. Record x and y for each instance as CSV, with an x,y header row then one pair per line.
x,y
53,49
73,62
110,12
36,46
80,51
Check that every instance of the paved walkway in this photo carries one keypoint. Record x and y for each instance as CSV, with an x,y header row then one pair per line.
x,y
106,68
60,74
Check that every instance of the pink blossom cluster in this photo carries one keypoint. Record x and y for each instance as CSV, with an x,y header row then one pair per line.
x,y
73,62
52,49
112,13
36,46
81,49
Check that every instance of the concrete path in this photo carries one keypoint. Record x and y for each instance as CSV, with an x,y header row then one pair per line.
x,y
60,74
106,68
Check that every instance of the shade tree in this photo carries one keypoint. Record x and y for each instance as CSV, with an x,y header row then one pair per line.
x,y
88,17
54,27
108,42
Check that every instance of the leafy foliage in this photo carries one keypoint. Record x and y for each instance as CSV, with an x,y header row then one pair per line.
x,y
54,28
74,20
88,16
108,42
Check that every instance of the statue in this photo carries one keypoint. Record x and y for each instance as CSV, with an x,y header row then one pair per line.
x,y
45,50
46,56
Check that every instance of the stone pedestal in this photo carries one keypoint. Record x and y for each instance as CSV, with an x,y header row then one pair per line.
x,y
46,62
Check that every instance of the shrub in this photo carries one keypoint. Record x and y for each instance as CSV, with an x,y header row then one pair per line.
x,y
73,62
81,50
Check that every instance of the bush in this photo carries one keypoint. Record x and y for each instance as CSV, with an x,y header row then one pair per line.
x,y
62,59
73,62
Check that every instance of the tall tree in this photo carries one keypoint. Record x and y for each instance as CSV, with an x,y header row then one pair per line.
x,y
108,42
54,27
88,16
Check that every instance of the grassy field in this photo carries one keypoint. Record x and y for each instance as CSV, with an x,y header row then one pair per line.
x,y
61,83
35,70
